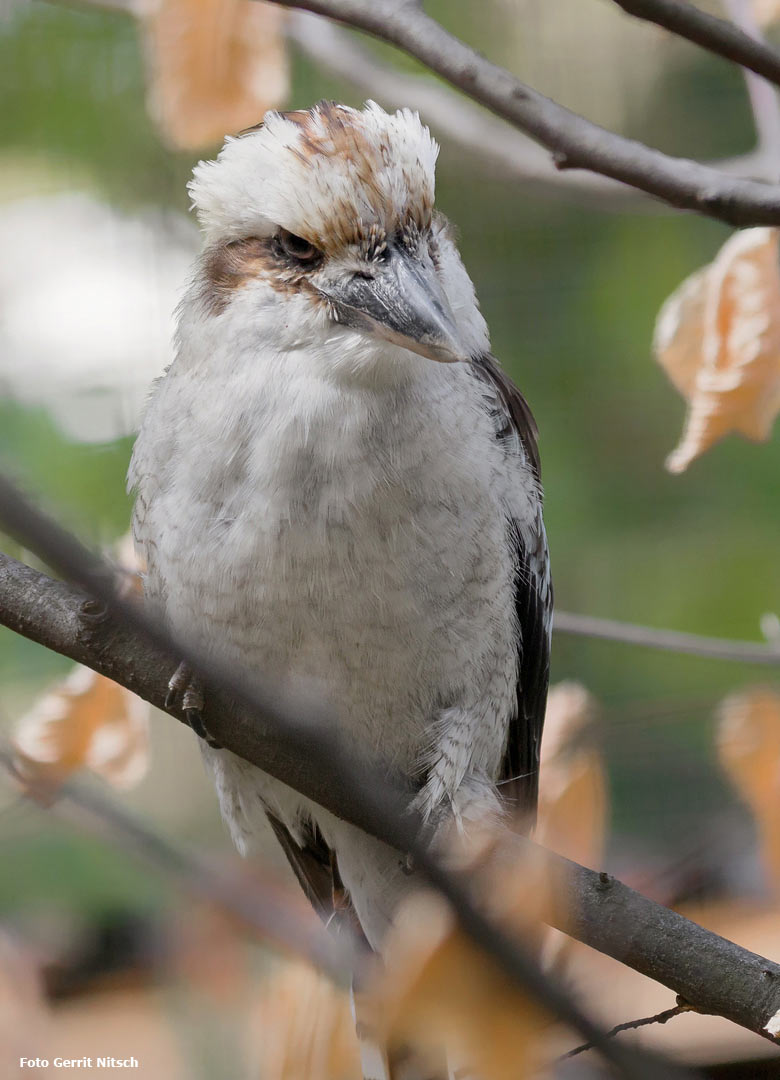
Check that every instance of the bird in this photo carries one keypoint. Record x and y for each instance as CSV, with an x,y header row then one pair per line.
x,y
336,482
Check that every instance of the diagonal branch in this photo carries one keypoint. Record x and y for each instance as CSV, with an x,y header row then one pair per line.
x,y
491,140
574,142
716,35
632,1025
713,974
744,652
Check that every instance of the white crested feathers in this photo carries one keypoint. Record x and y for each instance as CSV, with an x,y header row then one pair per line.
x,y
320,174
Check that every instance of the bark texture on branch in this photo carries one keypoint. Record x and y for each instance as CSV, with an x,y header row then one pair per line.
x,y
713,974
709,972
574,142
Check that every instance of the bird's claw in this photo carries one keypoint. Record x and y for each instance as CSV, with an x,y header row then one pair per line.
x,y
178,684
189,687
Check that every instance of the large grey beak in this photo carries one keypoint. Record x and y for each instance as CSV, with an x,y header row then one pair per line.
x,y
399,299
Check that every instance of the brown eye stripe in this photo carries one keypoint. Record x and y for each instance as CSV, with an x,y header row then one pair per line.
x,y
227,267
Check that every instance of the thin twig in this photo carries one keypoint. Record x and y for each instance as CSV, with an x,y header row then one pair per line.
x,y
764,102
490,140
574,142
744,652
632,1025
716,35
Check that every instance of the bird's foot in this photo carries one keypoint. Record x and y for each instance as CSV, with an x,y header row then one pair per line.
x,y
184,685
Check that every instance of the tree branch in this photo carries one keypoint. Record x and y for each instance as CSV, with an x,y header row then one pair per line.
x,y
306,749
713,974
745,652
632,1025
716,35
494,141
448,114
763,96
574,142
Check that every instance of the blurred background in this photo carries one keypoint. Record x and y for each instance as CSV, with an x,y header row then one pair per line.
x,y
98,135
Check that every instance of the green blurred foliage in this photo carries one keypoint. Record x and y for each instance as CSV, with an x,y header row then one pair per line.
x,y
570,293
56,866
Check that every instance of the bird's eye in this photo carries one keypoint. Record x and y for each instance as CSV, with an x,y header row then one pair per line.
x,y
296,247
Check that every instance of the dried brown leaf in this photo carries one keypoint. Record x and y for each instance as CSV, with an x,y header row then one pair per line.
x,y
571,709
305,1028
87,722
678,333
573,801
441,990
718,339
215,67
749,749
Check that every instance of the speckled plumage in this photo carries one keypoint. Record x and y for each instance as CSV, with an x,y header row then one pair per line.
x,y
339,511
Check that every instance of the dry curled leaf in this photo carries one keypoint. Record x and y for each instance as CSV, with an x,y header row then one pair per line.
x,y
215,67
573,801
87,722
749,749
718,339
305,1028
441,990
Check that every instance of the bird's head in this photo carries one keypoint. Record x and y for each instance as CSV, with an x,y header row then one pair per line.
x,y
327,217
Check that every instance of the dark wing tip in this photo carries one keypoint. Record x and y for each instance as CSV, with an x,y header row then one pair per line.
x,y
519,780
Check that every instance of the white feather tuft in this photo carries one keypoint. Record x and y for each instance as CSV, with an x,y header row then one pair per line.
x,y
302,170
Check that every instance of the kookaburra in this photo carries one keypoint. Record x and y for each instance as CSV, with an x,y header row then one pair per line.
x,y
336,484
